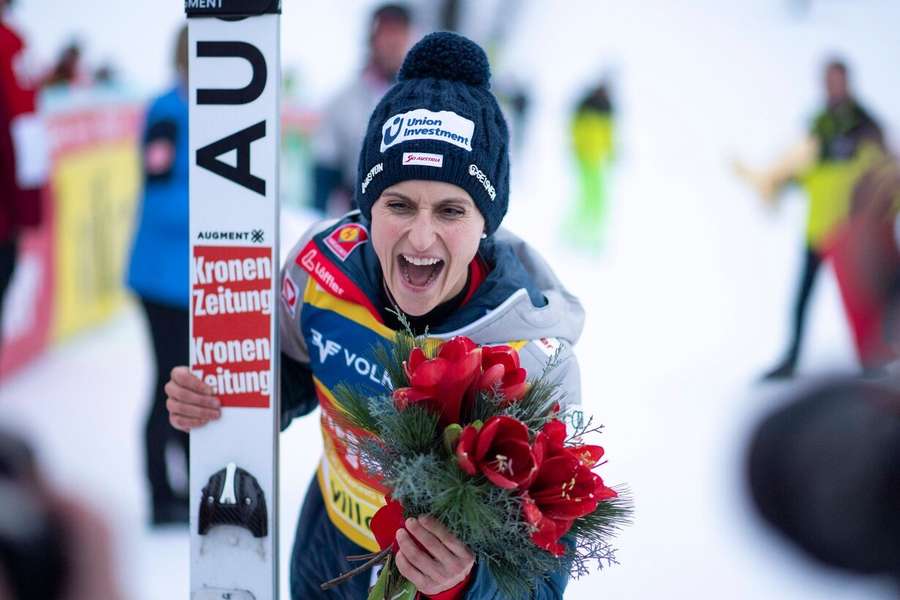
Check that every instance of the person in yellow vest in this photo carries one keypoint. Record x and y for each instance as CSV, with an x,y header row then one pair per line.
x,y
592,145
842,142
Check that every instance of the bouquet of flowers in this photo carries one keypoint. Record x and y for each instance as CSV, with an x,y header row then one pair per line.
x,y
467,438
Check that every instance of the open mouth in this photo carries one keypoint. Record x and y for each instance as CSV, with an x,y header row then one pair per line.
x,y
419,271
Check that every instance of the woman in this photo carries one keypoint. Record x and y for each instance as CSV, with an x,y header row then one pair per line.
x,y
433,189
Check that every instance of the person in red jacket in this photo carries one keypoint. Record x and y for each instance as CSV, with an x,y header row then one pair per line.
x,y
23,151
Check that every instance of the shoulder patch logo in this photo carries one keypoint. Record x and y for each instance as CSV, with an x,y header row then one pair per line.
x,y
289,294
344,240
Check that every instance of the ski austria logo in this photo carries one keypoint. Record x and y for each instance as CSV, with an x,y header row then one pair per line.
x,y
344,240
475,172
289,294
423,158
371,175
423,124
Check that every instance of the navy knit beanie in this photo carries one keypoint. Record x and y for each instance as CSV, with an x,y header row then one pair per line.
x,y
439,122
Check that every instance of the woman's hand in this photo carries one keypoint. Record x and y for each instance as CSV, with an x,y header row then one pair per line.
x,y
190,401
444,562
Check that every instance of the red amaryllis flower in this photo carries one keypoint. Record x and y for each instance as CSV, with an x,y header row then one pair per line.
x,y
564,489
503,373
441,382
546,531
500,450
553,438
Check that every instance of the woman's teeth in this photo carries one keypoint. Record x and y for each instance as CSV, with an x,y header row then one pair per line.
x,y
421,262
419,271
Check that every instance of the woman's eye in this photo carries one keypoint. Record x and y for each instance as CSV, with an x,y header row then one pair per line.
x,y
398,206
452,212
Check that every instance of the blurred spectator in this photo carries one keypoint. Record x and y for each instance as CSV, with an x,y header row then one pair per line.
x,y
106,75
67,70
827,163
52,547
24,157
866,260
592,145
336,143
158,274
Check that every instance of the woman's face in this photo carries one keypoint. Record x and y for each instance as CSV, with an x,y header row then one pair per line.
x,y
425,234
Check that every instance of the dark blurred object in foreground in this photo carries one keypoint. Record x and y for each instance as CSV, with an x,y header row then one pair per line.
x,y
52,546
32,565
824,470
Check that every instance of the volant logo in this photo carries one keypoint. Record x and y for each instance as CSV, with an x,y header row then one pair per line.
x,y
326,347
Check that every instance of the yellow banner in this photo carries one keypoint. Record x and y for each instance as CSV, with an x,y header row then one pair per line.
x,y
95,192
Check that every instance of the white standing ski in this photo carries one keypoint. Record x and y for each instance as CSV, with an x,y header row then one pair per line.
x,y
235,78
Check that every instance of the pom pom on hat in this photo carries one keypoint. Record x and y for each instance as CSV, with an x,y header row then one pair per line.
x,y
439,122
450,56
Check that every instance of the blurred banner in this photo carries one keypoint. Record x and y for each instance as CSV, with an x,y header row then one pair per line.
x,y
95,183
69,272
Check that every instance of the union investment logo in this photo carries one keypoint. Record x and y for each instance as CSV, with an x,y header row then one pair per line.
x,y
256,236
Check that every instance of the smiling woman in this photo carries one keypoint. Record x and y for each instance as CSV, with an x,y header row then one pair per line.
x,y
432,190
425,234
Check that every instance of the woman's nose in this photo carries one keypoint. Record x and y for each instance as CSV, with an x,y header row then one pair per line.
x,y
422,233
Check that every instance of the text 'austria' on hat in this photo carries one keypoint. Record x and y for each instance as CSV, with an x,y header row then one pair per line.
x,y
439,122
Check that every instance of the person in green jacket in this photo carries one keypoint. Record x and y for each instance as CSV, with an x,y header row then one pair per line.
x,y
842,143
592,144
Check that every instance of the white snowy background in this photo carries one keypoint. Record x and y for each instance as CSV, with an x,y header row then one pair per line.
x,y
687,303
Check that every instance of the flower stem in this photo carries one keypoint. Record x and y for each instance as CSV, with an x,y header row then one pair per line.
x,y
376,559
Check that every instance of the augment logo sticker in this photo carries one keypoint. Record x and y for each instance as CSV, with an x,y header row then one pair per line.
x,y
423,124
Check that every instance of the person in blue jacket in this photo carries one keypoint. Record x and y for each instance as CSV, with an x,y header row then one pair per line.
x,y
432,190
158,275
